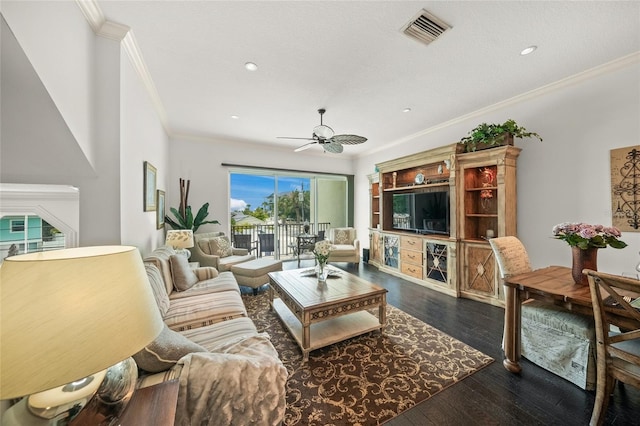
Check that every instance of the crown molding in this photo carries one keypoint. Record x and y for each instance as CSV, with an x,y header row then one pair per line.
x,y
122,33
92,13
113,31
135,55
581,77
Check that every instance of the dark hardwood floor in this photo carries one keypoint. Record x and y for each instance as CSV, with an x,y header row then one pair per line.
x,y
492,396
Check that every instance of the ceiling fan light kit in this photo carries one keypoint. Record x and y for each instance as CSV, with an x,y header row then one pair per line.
x,y
325,136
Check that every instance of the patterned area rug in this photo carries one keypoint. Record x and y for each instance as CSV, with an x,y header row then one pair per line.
x,y
369,379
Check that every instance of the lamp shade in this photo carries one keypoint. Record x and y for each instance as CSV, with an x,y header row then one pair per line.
x,y
67,314
180,238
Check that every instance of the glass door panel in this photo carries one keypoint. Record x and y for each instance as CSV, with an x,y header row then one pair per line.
x,y
285,205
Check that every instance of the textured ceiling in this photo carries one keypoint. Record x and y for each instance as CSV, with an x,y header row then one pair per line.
x,y
352,58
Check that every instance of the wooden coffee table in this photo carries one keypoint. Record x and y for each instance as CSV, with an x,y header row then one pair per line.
x,y
318,315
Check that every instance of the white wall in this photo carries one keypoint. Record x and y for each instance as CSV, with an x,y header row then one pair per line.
x,y
200,161
566,177
142,138
59,44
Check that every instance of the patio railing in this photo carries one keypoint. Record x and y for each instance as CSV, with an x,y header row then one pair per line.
x,y
286,238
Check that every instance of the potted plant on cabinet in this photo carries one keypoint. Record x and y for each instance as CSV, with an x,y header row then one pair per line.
x,y
490,135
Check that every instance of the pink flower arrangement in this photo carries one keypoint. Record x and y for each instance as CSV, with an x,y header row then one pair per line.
x,y
584,235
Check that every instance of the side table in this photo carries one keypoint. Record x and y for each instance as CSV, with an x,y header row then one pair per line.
x,y
151,406
154,405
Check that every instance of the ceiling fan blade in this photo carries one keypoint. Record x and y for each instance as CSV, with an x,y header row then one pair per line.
x,y
287,137
333,147
305,146
348,139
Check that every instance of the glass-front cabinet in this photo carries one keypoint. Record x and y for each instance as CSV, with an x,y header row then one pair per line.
x,y
391,250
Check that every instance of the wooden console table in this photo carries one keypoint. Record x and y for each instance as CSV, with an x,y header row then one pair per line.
x,y
552,284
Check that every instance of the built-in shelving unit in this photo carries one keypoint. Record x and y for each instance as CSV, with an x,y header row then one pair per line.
x,y
481,188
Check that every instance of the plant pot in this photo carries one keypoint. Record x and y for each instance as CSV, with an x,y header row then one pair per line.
x,y
507,140
583,259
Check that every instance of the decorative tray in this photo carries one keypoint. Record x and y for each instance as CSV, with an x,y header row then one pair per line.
x,y
311,272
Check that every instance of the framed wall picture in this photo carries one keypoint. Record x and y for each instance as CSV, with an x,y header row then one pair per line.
x,y
150,173
159,209
625,190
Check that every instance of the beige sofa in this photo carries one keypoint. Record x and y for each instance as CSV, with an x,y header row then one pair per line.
x,y
229,373
214,249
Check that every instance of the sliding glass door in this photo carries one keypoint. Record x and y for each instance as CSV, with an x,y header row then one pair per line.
x,y
274,207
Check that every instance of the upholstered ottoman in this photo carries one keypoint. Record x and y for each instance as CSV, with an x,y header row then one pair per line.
x,y
254,273
560,341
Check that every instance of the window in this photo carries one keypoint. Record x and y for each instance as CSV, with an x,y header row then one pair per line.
x,y
16,225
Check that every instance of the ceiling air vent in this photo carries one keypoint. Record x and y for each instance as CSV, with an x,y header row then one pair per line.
x,y
425,27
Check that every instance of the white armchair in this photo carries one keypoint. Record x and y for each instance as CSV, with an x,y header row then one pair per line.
x,y
347,245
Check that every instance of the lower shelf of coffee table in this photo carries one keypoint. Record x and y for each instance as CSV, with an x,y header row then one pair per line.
x,y
329,331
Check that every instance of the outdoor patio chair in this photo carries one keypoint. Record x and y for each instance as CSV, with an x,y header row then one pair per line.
x,y
244,241
266,244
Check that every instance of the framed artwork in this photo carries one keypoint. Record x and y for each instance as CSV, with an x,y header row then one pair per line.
x,y
625,188
150,173
159,209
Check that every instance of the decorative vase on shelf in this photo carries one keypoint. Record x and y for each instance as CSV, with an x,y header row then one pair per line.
x,y
583,259
322,271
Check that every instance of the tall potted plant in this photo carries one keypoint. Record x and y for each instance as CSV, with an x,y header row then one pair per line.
x,y
184,218
490,135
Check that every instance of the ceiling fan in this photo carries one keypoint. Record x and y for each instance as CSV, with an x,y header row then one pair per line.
x,y
324,136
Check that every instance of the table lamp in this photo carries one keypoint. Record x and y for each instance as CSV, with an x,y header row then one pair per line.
x,y
69,322
180,240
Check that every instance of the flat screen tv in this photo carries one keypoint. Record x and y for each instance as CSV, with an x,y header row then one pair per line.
x,y
425,212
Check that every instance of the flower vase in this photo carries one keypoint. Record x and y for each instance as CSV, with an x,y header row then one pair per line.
x,y
322,271
583,259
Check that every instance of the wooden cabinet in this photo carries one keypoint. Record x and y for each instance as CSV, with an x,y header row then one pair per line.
x,y
486,192
375,247
479,277
411,256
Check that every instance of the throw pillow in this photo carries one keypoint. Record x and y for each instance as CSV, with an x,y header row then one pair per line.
x,y
220,246
165,351
204,245
183,276
157,286
343,236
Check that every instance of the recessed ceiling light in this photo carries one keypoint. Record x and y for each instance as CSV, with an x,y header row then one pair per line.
x,y
406,110
235,117
251,66
528,50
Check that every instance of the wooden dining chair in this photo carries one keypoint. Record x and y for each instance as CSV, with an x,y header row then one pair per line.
x,y
618,353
